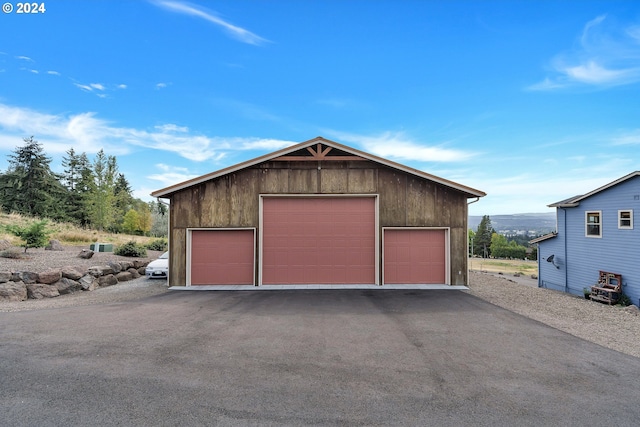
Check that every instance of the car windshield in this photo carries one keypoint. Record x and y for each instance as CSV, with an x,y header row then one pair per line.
x,y
164,255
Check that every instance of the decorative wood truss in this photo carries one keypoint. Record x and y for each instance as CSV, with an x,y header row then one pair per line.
x,y
320,153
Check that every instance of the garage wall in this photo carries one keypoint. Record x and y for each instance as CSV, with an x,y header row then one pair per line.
x,y
232,200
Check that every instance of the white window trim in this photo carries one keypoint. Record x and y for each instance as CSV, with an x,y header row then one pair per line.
x,y
586,224
625,227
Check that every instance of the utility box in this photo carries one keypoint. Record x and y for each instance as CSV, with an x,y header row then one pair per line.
x,y
101,247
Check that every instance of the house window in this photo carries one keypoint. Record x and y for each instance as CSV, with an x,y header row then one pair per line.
x,y
625,219
593,224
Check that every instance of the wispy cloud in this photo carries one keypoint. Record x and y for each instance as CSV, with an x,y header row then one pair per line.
x,y
161,85
238,33
53,73
169,175
606,56
25,58
87,132
122,86
399,146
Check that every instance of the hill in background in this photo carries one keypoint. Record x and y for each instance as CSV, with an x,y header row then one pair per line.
x,y
532,224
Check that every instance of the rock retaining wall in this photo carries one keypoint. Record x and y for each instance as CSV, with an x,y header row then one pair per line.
x,y
21,285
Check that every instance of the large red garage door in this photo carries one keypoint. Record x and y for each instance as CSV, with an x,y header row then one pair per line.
x,y
222,257
414,256
318,240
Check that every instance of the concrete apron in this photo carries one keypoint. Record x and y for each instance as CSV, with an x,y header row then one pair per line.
x,y
314,287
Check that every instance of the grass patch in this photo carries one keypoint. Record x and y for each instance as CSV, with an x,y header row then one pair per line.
x,y
69,234
505,266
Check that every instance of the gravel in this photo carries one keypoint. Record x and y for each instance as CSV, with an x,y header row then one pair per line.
x,y
614,327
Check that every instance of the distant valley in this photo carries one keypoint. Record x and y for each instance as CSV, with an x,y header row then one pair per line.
x,y
527,223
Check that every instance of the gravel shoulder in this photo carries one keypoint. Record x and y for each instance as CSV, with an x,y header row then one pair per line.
x,y
613,327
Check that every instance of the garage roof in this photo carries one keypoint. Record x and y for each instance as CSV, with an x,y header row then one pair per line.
x,y
309,145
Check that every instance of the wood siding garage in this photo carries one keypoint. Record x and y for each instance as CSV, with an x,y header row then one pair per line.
x,y
318,210
222,257
319,240
415,256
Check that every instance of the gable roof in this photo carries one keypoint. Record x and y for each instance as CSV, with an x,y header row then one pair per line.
x,y
574,201
361,155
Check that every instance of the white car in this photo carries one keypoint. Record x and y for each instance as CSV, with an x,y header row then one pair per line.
x,y
158,268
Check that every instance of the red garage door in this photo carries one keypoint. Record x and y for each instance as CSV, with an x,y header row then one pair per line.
x,y
320,240
414,256
222,257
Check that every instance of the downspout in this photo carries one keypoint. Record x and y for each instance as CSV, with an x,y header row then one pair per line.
x,y
566,266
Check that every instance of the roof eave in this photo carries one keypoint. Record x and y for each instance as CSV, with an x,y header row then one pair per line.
x,y
168,191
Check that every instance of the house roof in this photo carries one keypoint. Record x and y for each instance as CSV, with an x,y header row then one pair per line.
x,y
575,200
168,191
543,238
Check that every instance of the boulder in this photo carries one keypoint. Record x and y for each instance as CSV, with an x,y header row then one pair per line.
x,y
88,283
4,244
142,271
85,254
26,276
139,263
100,270
124,276
108,280
67,286
134,273
50,276
54,245
5,276
41,290
13,291
72,273
125,265
115,266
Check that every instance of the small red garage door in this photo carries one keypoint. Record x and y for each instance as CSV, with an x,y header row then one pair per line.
x,y
414,256
318,240
222,257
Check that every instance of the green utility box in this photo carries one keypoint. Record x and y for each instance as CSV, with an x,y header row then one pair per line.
x,y
101,247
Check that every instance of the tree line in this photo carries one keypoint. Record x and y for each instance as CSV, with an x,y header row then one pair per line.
x,y
89,193
485,242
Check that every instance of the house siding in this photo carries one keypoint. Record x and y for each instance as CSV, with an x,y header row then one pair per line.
x,y
617,250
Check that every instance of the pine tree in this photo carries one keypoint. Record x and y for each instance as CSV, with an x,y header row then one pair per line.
x,y
102,194
482,241
30,187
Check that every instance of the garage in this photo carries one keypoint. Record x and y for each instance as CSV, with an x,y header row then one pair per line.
x,y
415,256
318,240
317,213
222,257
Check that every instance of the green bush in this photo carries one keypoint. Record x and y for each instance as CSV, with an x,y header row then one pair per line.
x,y
34,235
131,249
157,245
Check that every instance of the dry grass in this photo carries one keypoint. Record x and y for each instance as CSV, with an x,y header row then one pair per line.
x,y
67,233
505,266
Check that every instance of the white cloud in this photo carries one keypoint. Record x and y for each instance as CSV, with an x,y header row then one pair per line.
x,y
25,58
169,175
605,56
629,138
88,133
53,73
240,34
161,85
98,86
122,86
400,147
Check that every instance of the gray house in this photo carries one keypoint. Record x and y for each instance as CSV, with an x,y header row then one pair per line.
x,y
595,232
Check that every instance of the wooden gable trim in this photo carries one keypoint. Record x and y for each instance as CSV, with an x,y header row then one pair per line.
x,y
317,155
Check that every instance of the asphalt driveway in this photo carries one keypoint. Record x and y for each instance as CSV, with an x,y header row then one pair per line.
x,y
352,357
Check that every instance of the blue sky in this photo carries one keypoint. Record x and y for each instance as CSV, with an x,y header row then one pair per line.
x,y
529,101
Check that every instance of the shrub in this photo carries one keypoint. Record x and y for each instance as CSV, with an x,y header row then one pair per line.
x,y
131,249
624,300
34,235
157,245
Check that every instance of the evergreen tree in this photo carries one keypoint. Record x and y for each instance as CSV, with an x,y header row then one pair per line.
x,y
482,241
102,194
124,201
159,219
29,187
